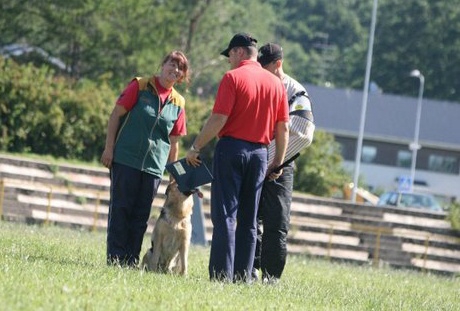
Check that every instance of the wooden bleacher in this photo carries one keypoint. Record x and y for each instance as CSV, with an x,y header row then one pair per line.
x,y
78,196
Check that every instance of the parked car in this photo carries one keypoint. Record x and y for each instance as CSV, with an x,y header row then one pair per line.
x,y
409,199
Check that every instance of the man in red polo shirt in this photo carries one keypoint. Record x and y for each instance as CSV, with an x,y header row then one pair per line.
x,y
250,106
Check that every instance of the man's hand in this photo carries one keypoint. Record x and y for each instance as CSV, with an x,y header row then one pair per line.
x,y
193,157
272,173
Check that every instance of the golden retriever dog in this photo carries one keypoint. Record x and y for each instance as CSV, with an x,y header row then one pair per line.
x,y
171,234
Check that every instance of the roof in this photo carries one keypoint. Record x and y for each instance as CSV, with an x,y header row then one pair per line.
x,y
21,49
388,117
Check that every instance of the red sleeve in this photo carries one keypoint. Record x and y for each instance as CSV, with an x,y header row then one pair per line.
x,y
128,97
180,128
225,97
283,112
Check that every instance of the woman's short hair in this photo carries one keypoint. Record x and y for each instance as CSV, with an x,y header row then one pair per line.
x,y
182,63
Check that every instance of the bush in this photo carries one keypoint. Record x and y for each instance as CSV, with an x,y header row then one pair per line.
x,y
319,168
454,215
44,114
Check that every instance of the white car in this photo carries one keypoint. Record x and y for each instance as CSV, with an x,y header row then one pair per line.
x,y
409,199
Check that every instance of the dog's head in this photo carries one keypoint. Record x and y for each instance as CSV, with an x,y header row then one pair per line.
x,y
173,184
178,203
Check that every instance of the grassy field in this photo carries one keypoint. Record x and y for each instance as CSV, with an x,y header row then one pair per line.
x,y
52,268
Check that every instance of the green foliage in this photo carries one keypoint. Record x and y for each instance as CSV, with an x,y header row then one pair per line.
x,y
324,30
44,114
198,110
454,215
423,35
319,170
86,112
51,268
125,38
325,41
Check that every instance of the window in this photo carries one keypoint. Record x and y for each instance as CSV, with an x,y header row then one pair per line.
x,y
404,158
445,164
369,153
347,148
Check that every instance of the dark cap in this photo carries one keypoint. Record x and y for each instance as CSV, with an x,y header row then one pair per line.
x,y
268,53
240,39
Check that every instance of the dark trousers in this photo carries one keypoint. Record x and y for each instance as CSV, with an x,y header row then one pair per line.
x,y
274,217
239,169
131,196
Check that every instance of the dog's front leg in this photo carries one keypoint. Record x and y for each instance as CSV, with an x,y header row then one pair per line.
x,y
183,258
175,264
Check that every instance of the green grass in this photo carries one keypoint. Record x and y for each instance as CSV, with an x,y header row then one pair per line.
x,y
52,268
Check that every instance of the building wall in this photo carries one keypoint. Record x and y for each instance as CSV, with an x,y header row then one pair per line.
x,y
389,129
381,170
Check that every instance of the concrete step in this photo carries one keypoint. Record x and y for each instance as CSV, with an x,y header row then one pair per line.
x,y
358,256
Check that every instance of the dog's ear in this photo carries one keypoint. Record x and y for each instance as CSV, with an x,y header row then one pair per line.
x,y
196,190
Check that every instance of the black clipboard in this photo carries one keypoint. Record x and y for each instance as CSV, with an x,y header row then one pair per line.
x,y
188,177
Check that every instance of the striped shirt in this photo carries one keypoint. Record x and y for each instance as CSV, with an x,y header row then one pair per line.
x,y
301,126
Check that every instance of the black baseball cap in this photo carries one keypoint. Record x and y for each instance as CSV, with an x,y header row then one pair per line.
x,y
240,39
268,53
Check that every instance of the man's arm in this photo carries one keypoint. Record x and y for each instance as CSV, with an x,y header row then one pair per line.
x,y
210,130
281,141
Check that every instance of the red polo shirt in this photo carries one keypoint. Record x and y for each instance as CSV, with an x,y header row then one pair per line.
x,y
254,101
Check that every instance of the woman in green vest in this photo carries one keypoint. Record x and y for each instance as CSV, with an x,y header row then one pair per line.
x,y
142,136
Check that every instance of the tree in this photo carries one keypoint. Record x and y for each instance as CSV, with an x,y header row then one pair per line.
x,y
218,21
420,35
324,41
315,34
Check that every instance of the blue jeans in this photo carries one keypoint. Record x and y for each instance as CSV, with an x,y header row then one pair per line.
x,y
239,169
131,195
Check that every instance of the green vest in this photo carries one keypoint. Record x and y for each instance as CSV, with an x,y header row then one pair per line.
x,y
143,137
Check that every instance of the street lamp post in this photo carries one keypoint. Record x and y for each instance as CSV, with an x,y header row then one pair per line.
x,y
359,143
414,146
